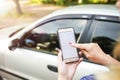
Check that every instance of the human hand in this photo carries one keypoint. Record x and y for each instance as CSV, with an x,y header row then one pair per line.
x,y
93,52
66,71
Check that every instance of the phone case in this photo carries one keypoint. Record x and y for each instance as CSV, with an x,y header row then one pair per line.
x,y
70,57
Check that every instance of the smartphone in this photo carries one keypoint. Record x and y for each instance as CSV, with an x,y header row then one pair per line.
x,y
67,36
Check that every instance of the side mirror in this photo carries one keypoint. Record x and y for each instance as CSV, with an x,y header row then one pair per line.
x,y
14,44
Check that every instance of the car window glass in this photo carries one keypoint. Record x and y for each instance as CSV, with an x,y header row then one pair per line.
x,y
106,34
44,38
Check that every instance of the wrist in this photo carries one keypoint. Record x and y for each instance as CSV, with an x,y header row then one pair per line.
x,y
110,61
60,77
64,77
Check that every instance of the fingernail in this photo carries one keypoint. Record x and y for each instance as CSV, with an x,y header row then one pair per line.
x,y
70,43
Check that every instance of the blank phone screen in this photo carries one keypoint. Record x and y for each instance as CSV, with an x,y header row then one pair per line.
x,y
65,39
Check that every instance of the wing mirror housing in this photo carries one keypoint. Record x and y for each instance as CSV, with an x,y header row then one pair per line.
x,y
14,44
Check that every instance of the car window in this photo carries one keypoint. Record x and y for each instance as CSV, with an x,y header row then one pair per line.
x,y
44,38
106,35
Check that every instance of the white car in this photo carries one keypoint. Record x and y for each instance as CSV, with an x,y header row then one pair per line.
x,y
30,53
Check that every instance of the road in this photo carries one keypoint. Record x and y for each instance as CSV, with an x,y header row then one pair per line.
x,y
5,6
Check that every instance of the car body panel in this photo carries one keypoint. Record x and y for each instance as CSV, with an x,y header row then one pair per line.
x,y
90,9
12,60
39,71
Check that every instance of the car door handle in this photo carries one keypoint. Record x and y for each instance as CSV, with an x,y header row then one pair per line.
x,y
52,68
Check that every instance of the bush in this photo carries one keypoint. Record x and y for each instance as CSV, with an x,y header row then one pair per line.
x,y
35,1
99,1
73,2
66,2
56,2
48,1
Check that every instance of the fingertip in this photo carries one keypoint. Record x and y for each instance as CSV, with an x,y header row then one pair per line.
x,y
81,59
75,45
59,51
72,44
80,53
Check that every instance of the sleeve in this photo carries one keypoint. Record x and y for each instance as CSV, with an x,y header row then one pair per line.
x,y
88,77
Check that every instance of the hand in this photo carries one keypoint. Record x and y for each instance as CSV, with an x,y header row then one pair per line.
x,y
93,52
66,71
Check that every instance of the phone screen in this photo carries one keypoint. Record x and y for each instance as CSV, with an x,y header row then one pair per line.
x,y
67,37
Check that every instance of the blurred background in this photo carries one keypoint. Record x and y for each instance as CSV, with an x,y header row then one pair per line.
x,y
16,12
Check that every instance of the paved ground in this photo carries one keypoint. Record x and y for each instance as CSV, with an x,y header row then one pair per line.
x,y
31,13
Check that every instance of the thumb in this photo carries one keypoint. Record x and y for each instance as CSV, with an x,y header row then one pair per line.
x,y
60,56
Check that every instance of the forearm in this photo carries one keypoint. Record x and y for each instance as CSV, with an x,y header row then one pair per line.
x,y
108,61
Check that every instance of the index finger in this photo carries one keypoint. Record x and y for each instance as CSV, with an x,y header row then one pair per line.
x,y
80,46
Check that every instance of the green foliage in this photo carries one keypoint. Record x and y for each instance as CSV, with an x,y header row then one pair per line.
x,y
67,2
99,1
48,1
35,1
94,1
72,2
55,2
61,2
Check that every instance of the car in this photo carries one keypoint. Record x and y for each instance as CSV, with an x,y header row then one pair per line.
x,y
30,53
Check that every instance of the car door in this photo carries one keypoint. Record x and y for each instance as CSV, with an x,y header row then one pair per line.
x,y
36,58
105,31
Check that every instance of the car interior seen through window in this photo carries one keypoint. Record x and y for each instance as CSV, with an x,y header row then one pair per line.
x,y
106,35
44,38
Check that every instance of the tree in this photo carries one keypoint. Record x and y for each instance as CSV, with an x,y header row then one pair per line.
x,y
18,8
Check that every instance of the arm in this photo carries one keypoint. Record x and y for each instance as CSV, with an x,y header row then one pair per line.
x,y
94,53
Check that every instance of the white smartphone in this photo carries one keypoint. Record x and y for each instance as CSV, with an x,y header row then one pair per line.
x,y
67,36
